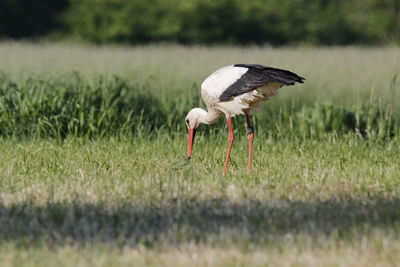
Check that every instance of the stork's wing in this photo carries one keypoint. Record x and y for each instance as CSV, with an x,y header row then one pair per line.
x,y
257,76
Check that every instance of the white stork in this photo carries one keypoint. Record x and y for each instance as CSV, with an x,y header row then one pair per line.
x,y
234,90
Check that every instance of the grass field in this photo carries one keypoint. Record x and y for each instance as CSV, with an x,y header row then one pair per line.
x,y
93,169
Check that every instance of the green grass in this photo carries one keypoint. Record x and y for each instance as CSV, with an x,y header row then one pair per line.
x,y
93,169
135,195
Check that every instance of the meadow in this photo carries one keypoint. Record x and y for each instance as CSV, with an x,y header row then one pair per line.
x,y
93,169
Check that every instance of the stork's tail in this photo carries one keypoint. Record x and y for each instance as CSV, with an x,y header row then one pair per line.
x,y
278,75
284,76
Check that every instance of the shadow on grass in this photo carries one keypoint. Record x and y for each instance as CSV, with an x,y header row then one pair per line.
x,y
214,220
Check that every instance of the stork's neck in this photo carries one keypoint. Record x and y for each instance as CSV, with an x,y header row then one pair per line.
x,y
210,117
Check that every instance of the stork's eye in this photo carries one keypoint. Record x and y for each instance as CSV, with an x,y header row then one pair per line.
x,y
187,121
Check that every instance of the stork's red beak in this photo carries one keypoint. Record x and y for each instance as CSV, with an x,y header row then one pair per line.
x,y
192,134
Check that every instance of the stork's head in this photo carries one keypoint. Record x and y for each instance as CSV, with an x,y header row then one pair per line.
x,y
193,120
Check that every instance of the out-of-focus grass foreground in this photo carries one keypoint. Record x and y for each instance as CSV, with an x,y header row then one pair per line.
x,y
93,169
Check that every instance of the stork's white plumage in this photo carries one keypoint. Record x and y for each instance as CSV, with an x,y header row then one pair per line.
x,y
234,90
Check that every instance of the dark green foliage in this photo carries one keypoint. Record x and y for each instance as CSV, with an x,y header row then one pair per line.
x,y
204,21
30,18
224,21
75,106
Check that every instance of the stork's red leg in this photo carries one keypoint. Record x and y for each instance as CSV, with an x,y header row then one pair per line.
x,y
250,137
230,142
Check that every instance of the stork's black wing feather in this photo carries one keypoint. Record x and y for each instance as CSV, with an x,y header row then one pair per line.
x,y
257,76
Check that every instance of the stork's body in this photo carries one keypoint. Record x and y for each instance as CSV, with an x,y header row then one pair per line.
x,y
234,90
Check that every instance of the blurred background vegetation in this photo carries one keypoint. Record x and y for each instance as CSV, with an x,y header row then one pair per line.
x,y
275,22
